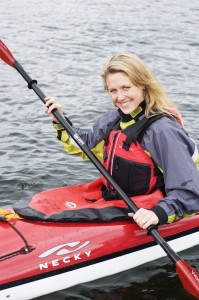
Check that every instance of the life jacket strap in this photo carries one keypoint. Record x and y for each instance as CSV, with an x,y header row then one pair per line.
x,y
112,125
136,131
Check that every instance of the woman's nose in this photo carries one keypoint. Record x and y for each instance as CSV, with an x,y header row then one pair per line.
x,y
120,95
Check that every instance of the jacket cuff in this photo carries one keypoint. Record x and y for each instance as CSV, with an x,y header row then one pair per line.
x,y
57,126
161,214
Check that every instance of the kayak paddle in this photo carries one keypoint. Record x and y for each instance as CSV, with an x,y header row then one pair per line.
x,y
188,275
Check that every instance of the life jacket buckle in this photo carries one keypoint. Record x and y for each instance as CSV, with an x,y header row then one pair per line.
x,y
126,145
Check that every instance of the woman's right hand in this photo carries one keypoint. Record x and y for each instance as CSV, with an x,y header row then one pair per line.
x,y
51,104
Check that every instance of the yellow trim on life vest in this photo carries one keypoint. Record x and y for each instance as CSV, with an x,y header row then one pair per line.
x,y
124,125
136,112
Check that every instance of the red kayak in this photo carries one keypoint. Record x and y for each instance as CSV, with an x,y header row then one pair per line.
x,y
44,257
49,254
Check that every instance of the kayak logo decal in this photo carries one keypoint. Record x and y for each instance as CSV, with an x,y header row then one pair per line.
x,y
64,249
64,255
70,204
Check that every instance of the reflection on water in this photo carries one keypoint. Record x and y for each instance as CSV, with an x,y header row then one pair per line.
x,y
63,44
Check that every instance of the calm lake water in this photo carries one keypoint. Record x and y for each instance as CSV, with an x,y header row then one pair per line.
x,y
63,44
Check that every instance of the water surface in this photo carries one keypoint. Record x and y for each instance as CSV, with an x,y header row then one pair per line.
x,y
63,44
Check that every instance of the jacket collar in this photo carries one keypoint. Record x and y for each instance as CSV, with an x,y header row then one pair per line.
x,y
127,120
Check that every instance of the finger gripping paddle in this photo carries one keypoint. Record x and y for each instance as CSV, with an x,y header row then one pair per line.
x,y
188,275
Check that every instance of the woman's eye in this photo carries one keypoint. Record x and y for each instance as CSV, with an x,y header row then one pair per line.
x,y
112,91
126,88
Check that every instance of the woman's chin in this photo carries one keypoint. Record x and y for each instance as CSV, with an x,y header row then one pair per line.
x,y
127,111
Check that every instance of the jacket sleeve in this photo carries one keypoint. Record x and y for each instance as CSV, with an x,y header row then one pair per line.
x,y
174,151
94,137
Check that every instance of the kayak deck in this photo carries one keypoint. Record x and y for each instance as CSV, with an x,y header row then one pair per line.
x,y
62,249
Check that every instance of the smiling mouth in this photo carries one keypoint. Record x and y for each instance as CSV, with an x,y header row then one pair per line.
x,y
125,104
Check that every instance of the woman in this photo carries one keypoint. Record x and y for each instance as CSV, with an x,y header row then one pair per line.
x,y
144,144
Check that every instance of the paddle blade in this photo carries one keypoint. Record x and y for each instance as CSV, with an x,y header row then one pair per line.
x,y
6,55
189,278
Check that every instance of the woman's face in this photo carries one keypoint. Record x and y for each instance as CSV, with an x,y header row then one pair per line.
x,y
124,94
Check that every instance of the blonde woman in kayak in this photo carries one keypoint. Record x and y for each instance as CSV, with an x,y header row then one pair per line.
x,y
142,143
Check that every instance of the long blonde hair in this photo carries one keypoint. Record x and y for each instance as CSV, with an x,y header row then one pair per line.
x,y
157,102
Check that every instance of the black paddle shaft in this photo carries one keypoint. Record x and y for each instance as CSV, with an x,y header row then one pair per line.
x,y
32,84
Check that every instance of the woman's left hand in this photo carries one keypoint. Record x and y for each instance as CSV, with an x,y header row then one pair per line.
x,y
52,104
144,218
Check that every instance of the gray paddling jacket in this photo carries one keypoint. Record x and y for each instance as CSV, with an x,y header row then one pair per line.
x,y
172,150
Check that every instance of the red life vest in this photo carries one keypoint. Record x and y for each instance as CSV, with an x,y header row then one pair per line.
x,y
127,162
